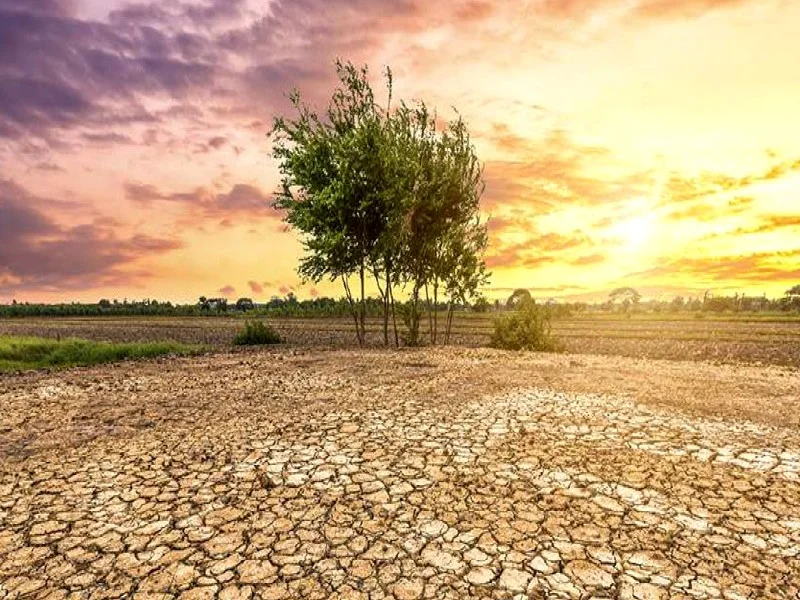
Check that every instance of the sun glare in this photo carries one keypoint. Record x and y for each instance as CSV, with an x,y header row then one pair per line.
x,y
635,232
635,228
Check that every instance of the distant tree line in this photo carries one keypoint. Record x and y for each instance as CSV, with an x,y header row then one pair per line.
x,y
103,307
290,306
384,195
628,300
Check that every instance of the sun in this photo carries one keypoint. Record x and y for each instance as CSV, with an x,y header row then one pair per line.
x,y
636,232
635,229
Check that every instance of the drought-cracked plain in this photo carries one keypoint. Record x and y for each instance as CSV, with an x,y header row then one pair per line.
x,y
451,473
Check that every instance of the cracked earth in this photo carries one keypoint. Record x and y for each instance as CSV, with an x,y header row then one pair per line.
x,y
449,473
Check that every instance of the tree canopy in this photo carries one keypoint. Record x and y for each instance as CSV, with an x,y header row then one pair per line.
x,y
625,294
519,298
383,193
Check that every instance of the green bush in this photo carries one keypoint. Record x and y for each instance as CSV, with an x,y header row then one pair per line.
x,y
526,329
257,333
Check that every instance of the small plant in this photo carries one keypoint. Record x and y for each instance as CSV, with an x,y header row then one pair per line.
x,y
257,333
526,329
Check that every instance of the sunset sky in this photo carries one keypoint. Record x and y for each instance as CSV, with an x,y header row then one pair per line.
x,y
644,143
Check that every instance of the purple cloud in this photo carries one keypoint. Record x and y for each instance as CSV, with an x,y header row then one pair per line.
x,y
37,253
241,199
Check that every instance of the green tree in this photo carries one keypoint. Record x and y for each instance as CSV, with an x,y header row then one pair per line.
x,y
518,298
332,183
626,296
245,304
442,236
376,191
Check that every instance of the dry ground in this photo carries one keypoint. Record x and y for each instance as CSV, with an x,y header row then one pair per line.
x,y
450,473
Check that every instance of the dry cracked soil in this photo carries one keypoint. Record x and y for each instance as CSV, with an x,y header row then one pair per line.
x,y
454,473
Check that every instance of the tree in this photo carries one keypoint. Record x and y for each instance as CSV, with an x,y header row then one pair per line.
x,y
519,298
793,298
331,183
245,304
442,237
382,192
481,305
627,296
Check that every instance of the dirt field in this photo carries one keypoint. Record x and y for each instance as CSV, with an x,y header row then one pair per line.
x,y
457,473
735,340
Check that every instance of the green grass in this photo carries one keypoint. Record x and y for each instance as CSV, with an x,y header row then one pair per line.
x,y
24,353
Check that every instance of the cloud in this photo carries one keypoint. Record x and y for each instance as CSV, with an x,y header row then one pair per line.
x,y
752,268
680,189
34,106
49,166
707,211
555,171
589,259
241,199
657,9
60,72
227,291
643,9
38,254
501,224
256,287
770,224
536,250
40,7
217,142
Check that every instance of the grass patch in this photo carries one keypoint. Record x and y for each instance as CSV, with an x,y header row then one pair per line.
x,y
24,353
257,333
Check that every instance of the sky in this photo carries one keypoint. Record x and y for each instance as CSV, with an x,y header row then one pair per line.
x,y
645,143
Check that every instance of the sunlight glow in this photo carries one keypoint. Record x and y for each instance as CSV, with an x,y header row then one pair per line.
x,y
636,232
636,227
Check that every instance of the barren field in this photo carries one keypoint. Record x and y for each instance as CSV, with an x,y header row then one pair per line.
x,y
454,473
734,340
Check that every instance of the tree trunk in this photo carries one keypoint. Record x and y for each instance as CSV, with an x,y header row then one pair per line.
x,y
394,318
435,309
430,316
386,306
414,318
449,323
384,292
353,310
363,304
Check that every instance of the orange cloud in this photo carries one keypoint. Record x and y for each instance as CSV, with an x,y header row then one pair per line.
x,y
752,268
535,251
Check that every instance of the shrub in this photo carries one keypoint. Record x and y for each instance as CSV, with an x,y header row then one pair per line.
x,y
256,333
526,329
411,316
